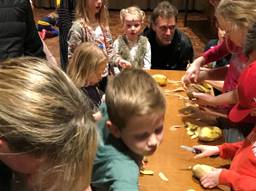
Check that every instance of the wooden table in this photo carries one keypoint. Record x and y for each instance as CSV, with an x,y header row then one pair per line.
x,y
169,158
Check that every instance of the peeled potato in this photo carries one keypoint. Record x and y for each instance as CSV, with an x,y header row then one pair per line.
x,y
200,170
209,133
160,79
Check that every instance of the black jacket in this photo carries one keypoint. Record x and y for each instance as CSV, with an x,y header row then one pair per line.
x,y
172,57
18,33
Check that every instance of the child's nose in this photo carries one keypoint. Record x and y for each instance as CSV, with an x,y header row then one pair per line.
x,y
153,141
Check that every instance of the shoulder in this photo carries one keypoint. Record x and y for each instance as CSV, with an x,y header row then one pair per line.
x,y
182,38
117,175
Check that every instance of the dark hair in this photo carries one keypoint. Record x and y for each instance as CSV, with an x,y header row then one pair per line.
x,y
164,9
250,42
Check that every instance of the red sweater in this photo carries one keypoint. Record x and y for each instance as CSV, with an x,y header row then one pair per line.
x,y
242,173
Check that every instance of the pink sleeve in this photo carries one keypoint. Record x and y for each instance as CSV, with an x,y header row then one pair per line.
x,y
216,52
228,150
237,181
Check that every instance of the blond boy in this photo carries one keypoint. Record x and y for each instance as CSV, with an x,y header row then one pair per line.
x,y
131,127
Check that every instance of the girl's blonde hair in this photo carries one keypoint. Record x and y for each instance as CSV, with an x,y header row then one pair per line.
x,y
135,11
240,13
86,60
82,11
43,114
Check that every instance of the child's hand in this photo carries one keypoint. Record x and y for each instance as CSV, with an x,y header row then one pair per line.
x,y
212,111
204,99
211,180
124,64
193,71
206,151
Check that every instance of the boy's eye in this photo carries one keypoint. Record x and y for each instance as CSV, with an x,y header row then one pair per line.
x,y
159,130
137,25
142,136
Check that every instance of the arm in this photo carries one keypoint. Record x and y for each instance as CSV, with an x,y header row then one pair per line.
x,y
228,150
213,74
237,181
75,37
216,52
114,57
230,178
210,100
33,45
186,53
225,151
147,57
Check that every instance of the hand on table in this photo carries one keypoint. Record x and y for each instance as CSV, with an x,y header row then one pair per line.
x,y
192,73
206,151
211,180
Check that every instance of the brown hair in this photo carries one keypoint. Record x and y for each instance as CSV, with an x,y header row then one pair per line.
x,y
131,93
165,10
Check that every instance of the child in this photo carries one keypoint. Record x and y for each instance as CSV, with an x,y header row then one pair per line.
x,y
85,70
131,127
47,136
235,17
131,45
212,43
242,172
92,25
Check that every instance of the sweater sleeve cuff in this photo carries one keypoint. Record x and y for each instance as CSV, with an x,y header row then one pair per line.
x,y
224,178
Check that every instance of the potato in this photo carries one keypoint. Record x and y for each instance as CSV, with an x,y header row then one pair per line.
x,y
160,79
200,170
209,133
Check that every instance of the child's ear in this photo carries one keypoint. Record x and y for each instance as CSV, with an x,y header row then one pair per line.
x,y
3,145
113,129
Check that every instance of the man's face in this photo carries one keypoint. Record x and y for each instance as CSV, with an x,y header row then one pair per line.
x,y
164,28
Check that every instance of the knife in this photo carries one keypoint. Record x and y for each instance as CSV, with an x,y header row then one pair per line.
x,y
191,149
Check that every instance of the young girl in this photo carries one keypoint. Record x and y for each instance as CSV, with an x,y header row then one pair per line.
x,y
48,137
92,25
131,45
235,17
85,69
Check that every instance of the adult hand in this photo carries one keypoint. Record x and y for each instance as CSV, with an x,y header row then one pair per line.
x,y
206,151
211,180
192,73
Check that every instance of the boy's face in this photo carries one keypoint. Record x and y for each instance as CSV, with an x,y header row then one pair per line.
x,y
132,27
143,134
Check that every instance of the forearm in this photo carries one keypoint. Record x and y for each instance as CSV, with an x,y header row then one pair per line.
x,y
217,73
237,181
226,98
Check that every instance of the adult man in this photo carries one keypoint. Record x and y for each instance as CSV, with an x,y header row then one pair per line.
x,y
170,48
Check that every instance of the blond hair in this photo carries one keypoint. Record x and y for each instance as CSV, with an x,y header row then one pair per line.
x,y
240,13
82,11
43,114
132,93
133,10
86,60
